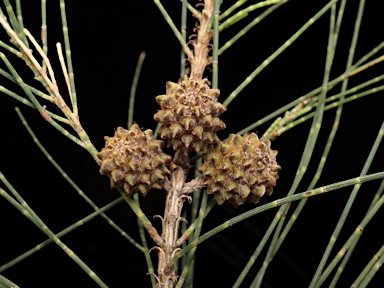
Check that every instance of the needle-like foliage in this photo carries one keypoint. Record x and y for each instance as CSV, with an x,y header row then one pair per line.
x,y
211,70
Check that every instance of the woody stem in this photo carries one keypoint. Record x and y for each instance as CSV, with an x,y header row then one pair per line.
x,y
171,221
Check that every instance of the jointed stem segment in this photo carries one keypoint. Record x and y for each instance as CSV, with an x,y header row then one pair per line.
x,y
24,208
274,204
169,242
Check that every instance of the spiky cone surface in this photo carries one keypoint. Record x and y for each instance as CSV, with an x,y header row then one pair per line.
x,y
190,114
240,169
134,160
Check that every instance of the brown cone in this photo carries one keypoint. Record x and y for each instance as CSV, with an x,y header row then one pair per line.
x,y
240,169
190,114
134,160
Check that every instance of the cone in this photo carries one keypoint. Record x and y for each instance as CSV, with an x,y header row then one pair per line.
x,y
190,115
134,160
240,169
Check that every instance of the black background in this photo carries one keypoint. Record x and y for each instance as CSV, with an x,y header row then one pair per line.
x,y
106,40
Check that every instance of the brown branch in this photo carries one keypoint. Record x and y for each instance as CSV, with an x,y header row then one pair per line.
x,y
200,59
171,223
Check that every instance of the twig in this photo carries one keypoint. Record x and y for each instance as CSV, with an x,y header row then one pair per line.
x,y
64,69
44,56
